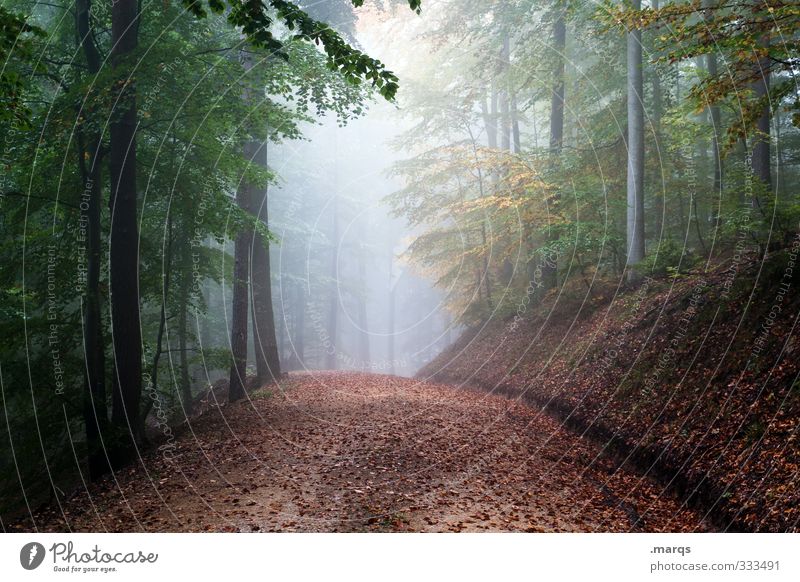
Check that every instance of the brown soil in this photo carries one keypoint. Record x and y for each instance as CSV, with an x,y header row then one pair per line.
x,y
352,452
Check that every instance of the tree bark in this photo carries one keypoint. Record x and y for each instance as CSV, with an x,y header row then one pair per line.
x,y
761,141
392,300
268,367
549,263
504,97
162,323
489,114
635,194
515,123
658,112
183,328
124,254
363,324
557,98
333,307
299,325
239,309
94,398
716,127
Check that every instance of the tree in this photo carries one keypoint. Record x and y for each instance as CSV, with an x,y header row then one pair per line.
x,y
95,414
761,136
635,190
268,368
715,118
124,237
660,152
333,291
241,292
550,261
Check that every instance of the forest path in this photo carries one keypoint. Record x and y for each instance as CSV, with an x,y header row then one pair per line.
x,y
355,452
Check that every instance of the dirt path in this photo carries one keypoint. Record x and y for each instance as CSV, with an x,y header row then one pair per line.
x,y
351,452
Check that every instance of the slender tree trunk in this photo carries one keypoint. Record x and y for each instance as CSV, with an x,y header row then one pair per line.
x,y
392,308
363,323
268,367
299,325
239,311
716,127
124,257
489,114
162,324
742,154
206,337
515,123
557,98
333,307
183,328
779,153
94,399
716,122
549,263
487,282
635,218
506,130
761,140
95,412
237,385
695,212
504,96
658,112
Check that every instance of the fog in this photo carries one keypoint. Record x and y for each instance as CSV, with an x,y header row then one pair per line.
x,y
223,206
346,294
346,297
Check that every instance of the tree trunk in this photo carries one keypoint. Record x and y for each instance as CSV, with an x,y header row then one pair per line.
x,y
658,112
95,411
515,123
124,254
268,367
744,158
333,307
363,324
299,326
557,99
489,115
761,140
183,328
239,310
487,282
635,214
392,299
549,263
716,127
206,338
162,323
716,122
94,398
504,97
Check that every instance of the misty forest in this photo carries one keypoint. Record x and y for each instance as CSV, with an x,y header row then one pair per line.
x,y
400,265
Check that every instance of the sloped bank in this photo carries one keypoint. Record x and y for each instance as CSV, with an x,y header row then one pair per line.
x,y
693,380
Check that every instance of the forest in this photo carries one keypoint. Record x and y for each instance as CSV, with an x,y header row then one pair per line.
x,y
400,265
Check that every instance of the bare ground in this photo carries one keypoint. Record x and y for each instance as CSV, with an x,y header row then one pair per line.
x,y
353,452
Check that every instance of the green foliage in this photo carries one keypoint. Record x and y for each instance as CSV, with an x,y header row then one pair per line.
x,y
17,38
257,19
490,217
754,40
196,111
669,258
